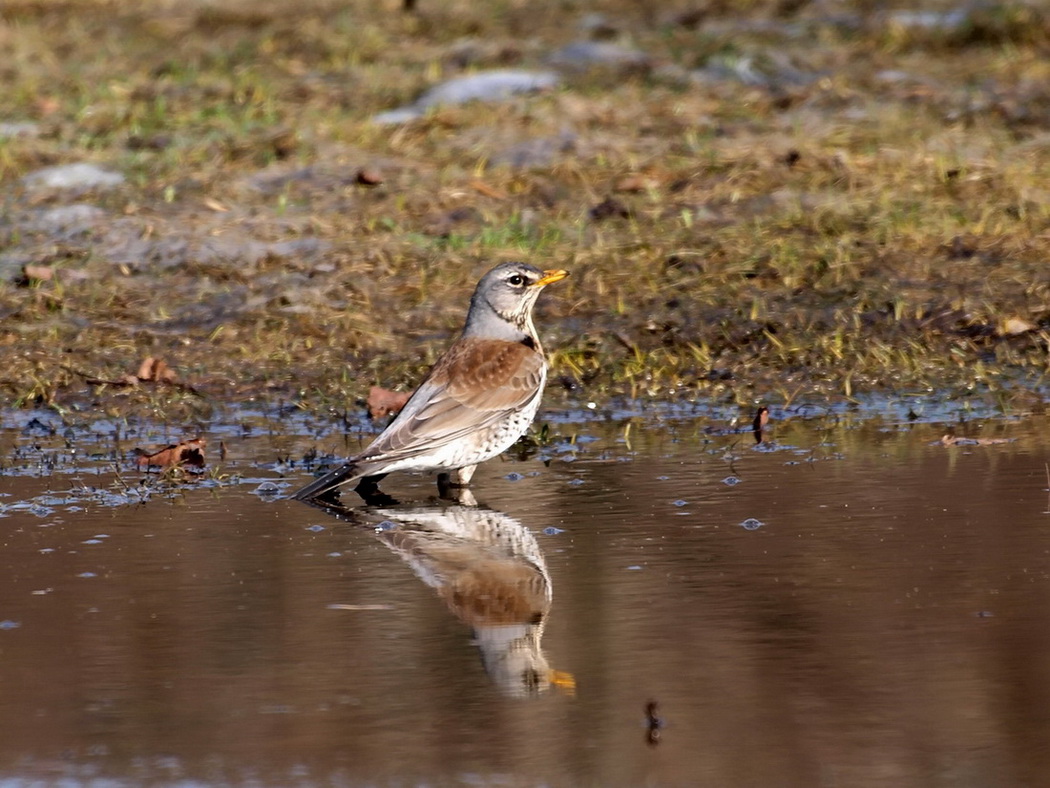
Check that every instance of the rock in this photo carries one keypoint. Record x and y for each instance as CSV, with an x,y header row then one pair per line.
x,y
940,21
274,180
67,220
395,116
304,248
80,176
125,245
771,70
487,86
591,54
10,130
12,264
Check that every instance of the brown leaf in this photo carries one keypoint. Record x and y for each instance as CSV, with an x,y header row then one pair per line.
x,y
369,176
190,453
489,191
758,426
48,105
384,402
37,273
952,440
634,183
155,370
151,370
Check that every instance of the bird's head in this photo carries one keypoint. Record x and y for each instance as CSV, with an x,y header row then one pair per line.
x,y
506,295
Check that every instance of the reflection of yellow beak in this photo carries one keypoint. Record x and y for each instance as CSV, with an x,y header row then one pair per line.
x,y
550,277
564,681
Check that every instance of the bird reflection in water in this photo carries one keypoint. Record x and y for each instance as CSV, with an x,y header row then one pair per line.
x,y
488,569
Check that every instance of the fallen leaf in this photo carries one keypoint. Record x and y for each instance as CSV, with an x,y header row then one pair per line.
x,y
634,183
190,453
151,370
47,105
952,440
1013,326
758,426
489,191
369,176
215,205
155,370
384,402
37,273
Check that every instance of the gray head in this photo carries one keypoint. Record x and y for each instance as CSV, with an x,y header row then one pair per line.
x,y
501,307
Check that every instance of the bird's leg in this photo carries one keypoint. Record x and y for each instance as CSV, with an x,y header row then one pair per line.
x,y
463,476
368,489
461,495
369,483
457,478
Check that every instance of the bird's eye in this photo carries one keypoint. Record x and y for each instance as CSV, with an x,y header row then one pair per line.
x,y
517,280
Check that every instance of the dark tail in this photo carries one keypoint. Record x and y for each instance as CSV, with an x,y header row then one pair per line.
x,y
329,482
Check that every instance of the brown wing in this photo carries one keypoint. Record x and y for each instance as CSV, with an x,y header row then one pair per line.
x,y
475,384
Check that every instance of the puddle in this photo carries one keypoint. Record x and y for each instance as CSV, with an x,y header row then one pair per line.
x,y
649,599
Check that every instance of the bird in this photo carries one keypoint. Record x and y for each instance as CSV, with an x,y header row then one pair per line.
x,y
476,401
489,570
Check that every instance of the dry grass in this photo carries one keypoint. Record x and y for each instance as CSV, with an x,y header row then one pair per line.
x,y
875,216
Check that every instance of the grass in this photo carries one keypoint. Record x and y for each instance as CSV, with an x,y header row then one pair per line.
x,y
879,224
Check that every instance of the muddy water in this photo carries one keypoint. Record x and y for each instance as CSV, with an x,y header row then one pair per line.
x,y
852,606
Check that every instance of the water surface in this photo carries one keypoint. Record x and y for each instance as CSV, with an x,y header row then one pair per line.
x,y
852,604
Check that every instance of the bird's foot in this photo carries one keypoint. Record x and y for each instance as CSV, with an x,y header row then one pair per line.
x,y
454,487
368,489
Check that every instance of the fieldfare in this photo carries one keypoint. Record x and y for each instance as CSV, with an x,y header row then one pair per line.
x,y
477,400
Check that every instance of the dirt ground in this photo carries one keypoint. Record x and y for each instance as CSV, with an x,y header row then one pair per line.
x,y
759,201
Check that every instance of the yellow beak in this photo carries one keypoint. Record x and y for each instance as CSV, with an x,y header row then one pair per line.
x,y
561,679
550,277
